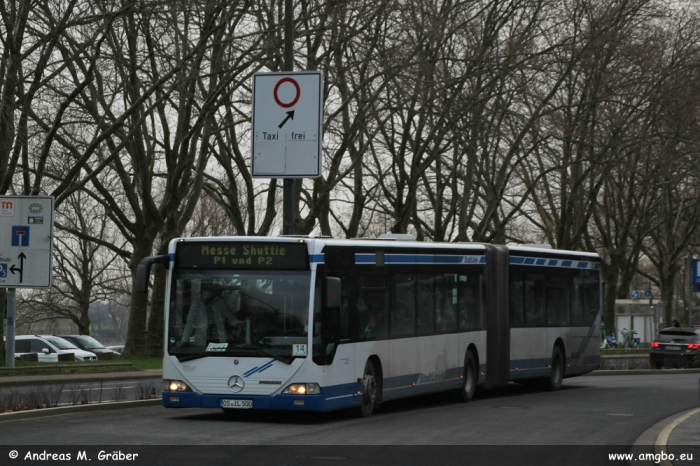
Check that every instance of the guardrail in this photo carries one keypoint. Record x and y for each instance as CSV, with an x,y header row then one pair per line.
x,y
66,366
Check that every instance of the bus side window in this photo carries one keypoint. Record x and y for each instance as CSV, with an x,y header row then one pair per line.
x,y
517,310
591,296
577,302
535,315
558,300
445,318
403,305
345,309
471,301
372,306
425,304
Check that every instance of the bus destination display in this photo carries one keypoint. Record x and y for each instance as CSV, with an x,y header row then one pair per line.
x,y
235,255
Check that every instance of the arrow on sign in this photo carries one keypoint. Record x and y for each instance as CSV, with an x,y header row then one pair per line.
x,y
14,269
290,114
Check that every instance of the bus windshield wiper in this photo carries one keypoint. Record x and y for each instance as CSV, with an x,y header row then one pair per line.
x,y
257,349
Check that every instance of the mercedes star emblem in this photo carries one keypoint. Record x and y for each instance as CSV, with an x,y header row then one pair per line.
x,y
236,383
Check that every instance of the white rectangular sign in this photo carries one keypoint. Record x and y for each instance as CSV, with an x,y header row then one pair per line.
x,y
26,240
287,124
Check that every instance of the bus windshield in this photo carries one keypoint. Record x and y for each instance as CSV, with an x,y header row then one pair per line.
x,y
239,313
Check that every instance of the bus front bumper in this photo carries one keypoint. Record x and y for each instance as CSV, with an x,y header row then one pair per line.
x,y
341,399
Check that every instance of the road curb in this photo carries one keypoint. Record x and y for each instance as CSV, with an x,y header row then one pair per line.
x,y
36,413
605,372
661,444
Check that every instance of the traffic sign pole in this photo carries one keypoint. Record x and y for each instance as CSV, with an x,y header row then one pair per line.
x,y
288,190
10,338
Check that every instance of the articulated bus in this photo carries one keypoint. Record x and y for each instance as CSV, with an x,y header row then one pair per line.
x,y
305,323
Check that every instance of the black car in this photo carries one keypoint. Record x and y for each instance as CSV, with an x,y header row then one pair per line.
x,y
84,341
675,347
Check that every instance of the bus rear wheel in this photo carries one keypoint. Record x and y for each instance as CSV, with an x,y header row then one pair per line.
x,y
369,390
466,393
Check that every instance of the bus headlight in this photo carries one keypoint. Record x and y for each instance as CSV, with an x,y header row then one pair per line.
x,y
303,389
176,386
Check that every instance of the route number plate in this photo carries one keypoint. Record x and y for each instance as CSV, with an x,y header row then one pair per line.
x,y
237,404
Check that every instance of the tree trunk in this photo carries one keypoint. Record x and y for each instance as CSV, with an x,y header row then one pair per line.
x,y
156,329
138,307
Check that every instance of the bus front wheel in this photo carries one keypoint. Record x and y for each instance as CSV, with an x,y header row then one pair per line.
x,y
369,390
466,393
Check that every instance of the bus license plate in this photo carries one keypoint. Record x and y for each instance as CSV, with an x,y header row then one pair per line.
x,y
237,404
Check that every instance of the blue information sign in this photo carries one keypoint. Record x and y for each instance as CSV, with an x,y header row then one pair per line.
x,y
696,275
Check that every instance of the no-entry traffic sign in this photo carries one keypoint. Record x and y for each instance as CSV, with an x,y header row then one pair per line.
x,y
287,124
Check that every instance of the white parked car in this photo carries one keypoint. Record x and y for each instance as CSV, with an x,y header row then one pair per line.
x,y
48,347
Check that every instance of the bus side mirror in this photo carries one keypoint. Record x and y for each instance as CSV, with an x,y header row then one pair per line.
x,y
144,269
332,292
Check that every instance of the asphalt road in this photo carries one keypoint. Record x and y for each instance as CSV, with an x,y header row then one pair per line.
x,y
513,423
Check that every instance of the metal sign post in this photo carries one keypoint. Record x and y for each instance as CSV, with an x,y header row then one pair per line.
x,y
654,322
10,338
26,242
286,125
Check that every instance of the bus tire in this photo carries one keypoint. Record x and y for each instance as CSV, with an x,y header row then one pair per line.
x,y
466,392
556,376
369,390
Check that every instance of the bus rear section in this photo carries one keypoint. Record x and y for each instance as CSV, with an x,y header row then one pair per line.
x,y
555,312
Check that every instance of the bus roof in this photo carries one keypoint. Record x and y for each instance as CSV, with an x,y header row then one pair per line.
x,y
318,243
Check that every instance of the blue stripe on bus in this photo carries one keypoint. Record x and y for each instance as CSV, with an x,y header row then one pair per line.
x,y
259,368
369,259
365,258
560,263
317,258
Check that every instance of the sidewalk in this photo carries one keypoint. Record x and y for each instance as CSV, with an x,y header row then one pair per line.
x,y
683,438
678,434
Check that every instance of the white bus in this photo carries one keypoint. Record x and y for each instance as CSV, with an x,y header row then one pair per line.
x,y
319,324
